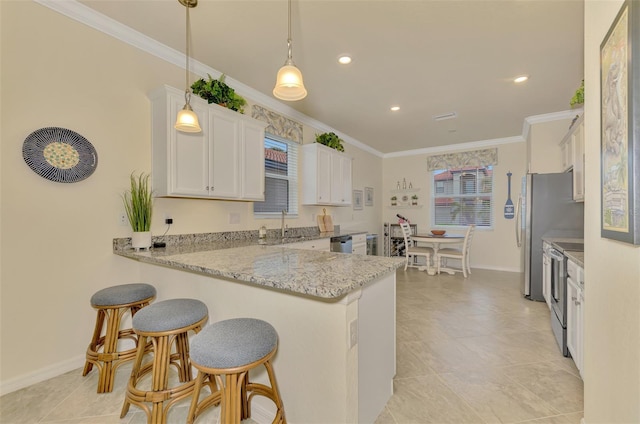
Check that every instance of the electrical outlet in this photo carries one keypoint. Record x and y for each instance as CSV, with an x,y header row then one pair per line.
x,y
122,219
353,333
168,221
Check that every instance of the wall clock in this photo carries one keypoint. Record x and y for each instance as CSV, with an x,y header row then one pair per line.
x,y
59,155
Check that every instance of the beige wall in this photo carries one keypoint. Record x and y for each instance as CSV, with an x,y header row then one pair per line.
x,y
494,249
612,269
56,245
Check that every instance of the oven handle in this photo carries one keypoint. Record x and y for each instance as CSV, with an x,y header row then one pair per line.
x,y
555,254
518,218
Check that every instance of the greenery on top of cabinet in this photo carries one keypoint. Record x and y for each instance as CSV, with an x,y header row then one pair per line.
x,y
218,92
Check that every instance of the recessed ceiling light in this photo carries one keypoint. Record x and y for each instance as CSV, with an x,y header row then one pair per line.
x,y
395,108
520,79
344,59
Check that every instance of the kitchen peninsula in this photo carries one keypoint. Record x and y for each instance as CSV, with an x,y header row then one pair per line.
x,y
334,313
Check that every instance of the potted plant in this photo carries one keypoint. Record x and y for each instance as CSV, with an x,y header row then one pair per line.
x,y
138,204
414,200
394,201
330,140
218,92
578,97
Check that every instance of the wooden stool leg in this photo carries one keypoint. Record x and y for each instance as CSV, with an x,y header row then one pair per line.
x,y
93,345
231,404
280,418
109,350
182,349
160,377
133,380
196,395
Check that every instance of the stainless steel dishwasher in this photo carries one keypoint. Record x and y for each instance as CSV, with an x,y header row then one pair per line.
x,y
341,244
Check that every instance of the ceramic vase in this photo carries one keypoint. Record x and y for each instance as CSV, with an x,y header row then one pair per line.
x,y
141,240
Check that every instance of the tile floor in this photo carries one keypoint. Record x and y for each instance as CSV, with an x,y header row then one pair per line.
x,y
469,351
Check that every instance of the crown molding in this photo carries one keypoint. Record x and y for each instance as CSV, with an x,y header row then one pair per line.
x,y
548,117
472,145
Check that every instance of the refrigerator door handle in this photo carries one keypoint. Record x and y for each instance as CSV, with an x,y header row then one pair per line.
x,y
517,223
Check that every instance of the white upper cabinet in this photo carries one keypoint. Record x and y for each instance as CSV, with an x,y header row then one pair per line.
x,y
224,161
326,176
572,146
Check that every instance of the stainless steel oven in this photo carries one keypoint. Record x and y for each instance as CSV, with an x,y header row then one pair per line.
x,y
558,298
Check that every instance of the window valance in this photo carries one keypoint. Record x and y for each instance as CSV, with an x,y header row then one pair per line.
x,y
278,124
484,157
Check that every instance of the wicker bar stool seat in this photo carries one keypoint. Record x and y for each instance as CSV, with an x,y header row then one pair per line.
x,y
112,303
231,348
165,324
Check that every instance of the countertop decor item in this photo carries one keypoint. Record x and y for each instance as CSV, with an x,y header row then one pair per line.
x,y
59,155
330,139
218,92
438,232
138,204
187,119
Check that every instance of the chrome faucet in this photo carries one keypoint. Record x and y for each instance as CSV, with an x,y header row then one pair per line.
x,y
284,212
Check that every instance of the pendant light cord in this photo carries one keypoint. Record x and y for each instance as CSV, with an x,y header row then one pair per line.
x,y
289,46
187,94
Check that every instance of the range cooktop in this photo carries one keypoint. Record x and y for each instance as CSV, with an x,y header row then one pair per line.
x,y
575,247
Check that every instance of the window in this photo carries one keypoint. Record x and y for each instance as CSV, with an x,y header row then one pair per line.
x,y
463,196
281,178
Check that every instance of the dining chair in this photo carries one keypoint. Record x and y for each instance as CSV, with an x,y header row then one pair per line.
x,y
414,251
461,253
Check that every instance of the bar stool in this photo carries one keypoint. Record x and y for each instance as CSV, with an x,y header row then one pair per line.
x,y
165,324
112,303
232,348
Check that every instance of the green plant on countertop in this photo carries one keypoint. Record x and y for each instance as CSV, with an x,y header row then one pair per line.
x,y
330,140
138,203
578,97
218,92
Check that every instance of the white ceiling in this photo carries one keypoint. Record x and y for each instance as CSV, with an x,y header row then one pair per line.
x,y
428,57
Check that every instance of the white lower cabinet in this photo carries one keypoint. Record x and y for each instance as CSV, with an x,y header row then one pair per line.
x,y
323,244
224,161
326,176
359,244
575,313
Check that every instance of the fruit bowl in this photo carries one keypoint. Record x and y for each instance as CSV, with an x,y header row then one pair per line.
x,y
438,232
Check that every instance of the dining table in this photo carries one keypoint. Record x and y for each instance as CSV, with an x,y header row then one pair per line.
x,y
435,241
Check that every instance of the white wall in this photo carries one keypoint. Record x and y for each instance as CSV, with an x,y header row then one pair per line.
x,y
56,245
612,269
494,249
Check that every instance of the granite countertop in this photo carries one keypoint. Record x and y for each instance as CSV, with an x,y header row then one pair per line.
x,y
577,257
271,263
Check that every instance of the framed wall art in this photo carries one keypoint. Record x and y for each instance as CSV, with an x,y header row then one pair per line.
x,y
368,196
357,199
620,127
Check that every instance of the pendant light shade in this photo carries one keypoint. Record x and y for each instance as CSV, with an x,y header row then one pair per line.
x,y
289,84
187,120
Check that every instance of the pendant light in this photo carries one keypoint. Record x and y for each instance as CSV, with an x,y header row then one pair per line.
x,y
289,84
187,120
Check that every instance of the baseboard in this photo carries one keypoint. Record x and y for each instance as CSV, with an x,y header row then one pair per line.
x,y
492,268
41,374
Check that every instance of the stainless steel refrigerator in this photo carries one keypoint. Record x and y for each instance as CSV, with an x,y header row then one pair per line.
x,y
545,208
